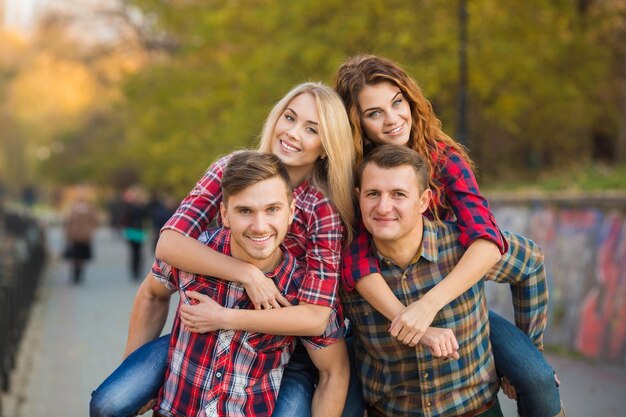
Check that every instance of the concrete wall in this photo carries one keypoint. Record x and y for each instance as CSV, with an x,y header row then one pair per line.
x,y
584,241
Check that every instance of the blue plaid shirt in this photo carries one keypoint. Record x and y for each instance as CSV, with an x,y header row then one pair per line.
x,y
402,381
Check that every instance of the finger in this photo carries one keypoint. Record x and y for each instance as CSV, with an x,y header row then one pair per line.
x,y
283,301
395,329
455,355
414,340
194,294
449,349
435,351
455,343
274,303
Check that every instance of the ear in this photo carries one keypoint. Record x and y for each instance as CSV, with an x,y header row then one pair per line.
x,y
224,215
425,200
292,211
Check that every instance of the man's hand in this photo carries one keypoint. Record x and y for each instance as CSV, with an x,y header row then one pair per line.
x,y
441,342
410,325
263,292
508,389
201,317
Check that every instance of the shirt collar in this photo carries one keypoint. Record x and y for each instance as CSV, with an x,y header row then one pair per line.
x,y
300,190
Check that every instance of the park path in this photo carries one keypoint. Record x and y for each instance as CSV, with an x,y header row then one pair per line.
x,y
77,334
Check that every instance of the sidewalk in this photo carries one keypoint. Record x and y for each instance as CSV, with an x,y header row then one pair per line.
x,y
76,337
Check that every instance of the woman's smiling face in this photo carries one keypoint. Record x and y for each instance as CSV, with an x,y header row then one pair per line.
x,y
296,140
385,114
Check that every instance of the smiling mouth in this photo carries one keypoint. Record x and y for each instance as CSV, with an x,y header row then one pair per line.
x,y
396,130
288,147
260,239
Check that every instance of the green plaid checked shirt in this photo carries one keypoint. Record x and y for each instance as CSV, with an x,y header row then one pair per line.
x,y
402,381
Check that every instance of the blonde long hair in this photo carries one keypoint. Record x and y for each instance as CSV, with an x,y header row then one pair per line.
x,y
426,131
333,175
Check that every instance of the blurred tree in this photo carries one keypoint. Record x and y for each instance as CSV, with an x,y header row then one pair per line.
x,y
168,85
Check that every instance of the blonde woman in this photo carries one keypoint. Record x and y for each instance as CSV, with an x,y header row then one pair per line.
x,y
308,130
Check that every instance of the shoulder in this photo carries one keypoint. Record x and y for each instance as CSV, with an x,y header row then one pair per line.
x,y
312,202
216,238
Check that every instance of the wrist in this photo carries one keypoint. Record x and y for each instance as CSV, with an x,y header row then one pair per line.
x,y
433,301
225,319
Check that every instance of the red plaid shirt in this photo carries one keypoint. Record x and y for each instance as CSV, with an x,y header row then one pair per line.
x,y
314,237
226,372
468,208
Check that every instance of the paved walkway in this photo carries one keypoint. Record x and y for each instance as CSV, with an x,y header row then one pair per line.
x,y
77,334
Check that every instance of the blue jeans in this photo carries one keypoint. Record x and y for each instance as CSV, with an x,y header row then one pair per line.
x,y
524,366
298,385
138,379
135,382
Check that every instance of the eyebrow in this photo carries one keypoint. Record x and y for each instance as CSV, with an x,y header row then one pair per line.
x,y
308,121
274,204
374,108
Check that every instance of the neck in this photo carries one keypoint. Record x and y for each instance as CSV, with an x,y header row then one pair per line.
x,y
400,251
298,175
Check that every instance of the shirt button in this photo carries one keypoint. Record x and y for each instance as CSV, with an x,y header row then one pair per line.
x,y
218,375
428,404
237,307
426,375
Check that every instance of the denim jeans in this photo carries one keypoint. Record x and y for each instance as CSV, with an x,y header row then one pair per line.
x,y
524,366
298,385
135,382
139,377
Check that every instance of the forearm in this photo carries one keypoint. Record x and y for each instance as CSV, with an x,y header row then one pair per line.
x,y
300,320
330,394
376,292
522,266
188,254
148,317
478,259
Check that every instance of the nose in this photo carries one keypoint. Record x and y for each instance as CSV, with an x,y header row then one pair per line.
x,y
292,132
391,117
258,223
384,205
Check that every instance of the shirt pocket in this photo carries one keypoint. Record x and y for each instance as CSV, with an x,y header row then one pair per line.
x,y
189,283
261,342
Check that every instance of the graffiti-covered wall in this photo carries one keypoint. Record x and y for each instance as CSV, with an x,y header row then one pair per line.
x,y
584,241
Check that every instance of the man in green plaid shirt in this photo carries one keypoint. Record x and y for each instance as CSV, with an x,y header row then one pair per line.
x,y
453,375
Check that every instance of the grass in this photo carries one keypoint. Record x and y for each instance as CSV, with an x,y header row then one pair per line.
x,y
582,178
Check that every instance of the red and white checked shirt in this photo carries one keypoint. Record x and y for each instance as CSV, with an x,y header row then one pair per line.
x,y
226,372
314,237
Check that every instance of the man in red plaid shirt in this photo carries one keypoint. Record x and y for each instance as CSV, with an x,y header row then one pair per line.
x,y
228,372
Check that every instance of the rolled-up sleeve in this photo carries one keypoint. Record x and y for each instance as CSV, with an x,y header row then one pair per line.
x,y
471,209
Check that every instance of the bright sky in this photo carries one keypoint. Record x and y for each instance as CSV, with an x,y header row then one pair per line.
x,y
20,14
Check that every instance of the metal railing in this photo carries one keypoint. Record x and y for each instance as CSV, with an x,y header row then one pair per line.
x,y
22,258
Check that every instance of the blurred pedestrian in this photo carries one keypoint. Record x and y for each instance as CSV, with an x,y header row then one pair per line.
x,y
80,225
116,212
161,209
134,218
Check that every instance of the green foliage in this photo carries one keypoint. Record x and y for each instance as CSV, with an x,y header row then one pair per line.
x,y
541,83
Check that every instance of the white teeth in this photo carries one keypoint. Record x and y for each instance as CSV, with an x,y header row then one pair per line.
x,y
289,147
259,239
396,130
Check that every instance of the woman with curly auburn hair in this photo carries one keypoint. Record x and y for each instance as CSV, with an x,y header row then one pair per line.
x,y
386,106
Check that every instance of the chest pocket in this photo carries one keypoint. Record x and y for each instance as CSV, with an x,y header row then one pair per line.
x,y
261,342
